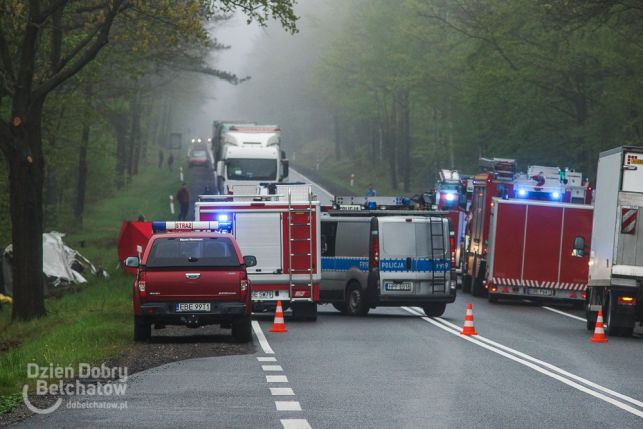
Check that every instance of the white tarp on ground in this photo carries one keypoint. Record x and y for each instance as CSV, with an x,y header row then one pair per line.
x,y
61,264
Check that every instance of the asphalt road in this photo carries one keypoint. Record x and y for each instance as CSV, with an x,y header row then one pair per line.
x,y
529,367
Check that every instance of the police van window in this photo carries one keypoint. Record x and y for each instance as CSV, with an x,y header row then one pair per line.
x,y
413,239
193,252
328,233
352,239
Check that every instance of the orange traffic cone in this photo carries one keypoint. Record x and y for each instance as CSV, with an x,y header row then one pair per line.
x,y
278,325
468,328
599,331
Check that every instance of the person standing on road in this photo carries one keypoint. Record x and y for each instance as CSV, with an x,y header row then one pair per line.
x,y
371,192
170,161
183,197
161,158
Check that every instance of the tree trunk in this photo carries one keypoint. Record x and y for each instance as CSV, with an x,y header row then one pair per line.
x,y
338,145
406,139
79,207
392,143
26,168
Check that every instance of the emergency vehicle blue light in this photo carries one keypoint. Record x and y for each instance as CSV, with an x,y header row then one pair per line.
x,y
522,192
555,195
371,205
449,196
223,217
158,226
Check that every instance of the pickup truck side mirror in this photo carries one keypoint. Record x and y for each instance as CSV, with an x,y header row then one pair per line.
x,y
250,261
132,262
579,247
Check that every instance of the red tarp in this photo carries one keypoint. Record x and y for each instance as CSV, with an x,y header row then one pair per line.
x,y
132,235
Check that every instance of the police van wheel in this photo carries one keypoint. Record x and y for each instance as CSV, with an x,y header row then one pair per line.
x,y
434,309
356,301
340,306
142,329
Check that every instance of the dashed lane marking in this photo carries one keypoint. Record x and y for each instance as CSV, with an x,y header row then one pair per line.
x,y
288,405
525,359
281,391
262,338
276,379
295,424
272,367
267,359
582,319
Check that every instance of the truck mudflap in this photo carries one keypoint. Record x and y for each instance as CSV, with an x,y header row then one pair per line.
x,y
499,287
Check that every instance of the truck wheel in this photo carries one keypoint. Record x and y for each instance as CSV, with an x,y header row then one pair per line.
x,y
304,311
609,318
356,301
434,309
142,329
590,316
242,330
466,283
340,306
475,287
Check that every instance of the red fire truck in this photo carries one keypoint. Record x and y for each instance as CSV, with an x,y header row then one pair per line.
x,y
528,253
451,197
282,231
558,196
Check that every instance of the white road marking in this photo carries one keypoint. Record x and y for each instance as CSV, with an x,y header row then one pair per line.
x,y
272,367
276,379
288,406
295,424
266,359
306,179
481,341
281,391
582,319
262,338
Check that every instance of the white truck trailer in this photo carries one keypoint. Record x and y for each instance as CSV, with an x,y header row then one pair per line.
x,y
250,155
616,249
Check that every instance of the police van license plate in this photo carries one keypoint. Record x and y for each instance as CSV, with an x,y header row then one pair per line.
x,y
540,292
263,294
193,306
398,287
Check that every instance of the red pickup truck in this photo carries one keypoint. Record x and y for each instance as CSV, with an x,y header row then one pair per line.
x,y
192,279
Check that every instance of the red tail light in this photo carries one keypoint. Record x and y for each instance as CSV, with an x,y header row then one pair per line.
x,y
141,289
375,250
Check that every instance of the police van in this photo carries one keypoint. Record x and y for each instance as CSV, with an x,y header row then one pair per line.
x,y
374,258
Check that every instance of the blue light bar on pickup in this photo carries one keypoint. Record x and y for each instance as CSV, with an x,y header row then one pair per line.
x,y
170,226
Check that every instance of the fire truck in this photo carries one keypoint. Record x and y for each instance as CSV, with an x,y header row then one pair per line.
x,y
517,225
451,197
282,230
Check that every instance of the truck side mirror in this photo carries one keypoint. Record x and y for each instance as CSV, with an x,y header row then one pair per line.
x,y
283,154
220,168
132,262
250,261
285,165
579,247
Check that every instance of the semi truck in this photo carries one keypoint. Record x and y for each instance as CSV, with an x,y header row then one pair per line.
x,y
615,254
249,155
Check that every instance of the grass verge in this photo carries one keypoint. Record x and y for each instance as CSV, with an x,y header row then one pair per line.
x,y
93,322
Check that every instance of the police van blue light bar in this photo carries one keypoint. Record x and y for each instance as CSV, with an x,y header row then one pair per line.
x,y
170,226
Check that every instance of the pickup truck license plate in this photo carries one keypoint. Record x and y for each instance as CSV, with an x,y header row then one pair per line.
x,y
263,294
193,306
540,292
398,287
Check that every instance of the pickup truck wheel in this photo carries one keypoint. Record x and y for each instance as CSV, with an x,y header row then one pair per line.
x,y
434,309
340,306
356,301
242,330
142,329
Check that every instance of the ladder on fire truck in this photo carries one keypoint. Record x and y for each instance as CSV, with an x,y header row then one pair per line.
x,y
438,255
300,231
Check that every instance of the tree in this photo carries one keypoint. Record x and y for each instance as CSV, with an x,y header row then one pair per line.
x,y
43,44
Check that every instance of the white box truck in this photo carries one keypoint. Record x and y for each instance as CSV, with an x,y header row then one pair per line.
x,y
616,249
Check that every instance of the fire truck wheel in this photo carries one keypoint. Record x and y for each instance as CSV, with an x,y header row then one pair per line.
x,y
434,309
340,306
242,330
355,300
142,329
466,283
